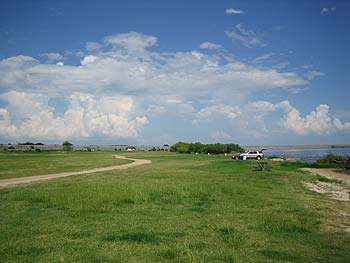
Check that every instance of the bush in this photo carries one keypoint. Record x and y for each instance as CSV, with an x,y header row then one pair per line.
x,y
332,160
183,147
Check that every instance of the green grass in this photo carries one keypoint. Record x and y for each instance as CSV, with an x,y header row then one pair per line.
x,y
327,180
181,208
21,164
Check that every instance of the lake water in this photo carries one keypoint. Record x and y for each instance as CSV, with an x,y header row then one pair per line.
x,y
309,154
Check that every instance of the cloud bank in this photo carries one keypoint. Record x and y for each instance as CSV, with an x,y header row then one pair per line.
x,y
122,84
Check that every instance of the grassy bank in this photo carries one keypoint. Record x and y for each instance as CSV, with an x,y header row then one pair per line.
x,y
20,164
182,208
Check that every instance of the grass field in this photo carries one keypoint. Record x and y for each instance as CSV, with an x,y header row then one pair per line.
x,y
181,208
14,164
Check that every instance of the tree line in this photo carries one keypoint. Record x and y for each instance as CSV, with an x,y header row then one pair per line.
x,y
197,147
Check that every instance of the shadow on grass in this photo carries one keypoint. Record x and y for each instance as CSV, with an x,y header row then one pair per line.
x,y
138,237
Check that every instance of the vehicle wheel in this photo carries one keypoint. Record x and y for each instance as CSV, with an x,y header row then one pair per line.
x,y
258,158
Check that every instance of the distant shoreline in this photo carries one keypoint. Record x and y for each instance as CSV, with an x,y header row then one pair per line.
x,y
148,147
298,147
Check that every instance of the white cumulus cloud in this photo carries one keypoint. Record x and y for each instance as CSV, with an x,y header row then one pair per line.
x,y
28,115
122,82
318,121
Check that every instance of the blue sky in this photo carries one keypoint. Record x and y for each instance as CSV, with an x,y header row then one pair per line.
x,y
251,72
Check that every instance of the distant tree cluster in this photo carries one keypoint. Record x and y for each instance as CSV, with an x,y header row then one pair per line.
x,y
67,146
197,147
30,143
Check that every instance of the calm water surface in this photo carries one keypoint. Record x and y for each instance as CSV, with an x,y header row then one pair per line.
x,y
307,155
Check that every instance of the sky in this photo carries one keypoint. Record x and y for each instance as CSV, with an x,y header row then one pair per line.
x,y
157,72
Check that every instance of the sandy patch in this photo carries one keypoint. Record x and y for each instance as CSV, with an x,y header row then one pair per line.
x,y
330,173
337,191
334,191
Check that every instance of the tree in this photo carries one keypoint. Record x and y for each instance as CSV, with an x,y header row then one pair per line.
x,y
217,148
180,147
67,146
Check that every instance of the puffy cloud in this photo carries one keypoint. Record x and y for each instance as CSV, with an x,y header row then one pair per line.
x,y
209,45
122,70
232,11
6,128
185,73
250,119
246,37
29,116
326,10
318,121
88,60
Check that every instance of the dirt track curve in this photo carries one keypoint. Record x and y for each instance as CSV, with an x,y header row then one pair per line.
x,y
30,179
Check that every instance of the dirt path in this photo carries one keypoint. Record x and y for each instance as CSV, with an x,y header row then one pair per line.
x,y
30,179
335,191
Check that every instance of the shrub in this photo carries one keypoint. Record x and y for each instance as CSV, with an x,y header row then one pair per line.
x,y
331,160
347,163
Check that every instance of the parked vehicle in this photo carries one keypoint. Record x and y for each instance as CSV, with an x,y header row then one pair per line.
x,y
258,155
